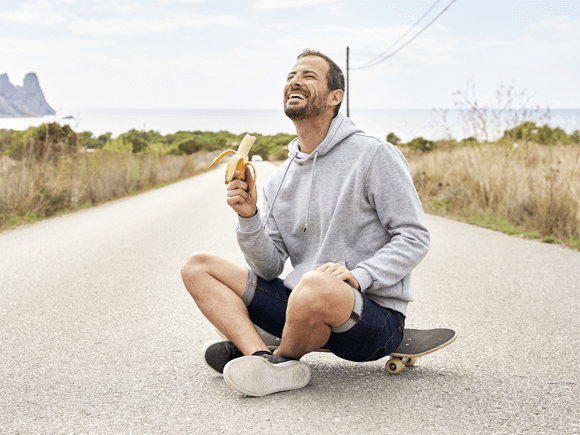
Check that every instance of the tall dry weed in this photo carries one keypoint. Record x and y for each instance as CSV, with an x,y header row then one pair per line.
x,y
59,180
534,187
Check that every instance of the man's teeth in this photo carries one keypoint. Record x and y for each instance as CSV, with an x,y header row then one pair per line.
x,y
302,97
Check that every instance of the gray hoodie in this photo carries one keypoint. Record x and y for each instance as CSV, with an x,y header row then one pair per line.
x,y
352,202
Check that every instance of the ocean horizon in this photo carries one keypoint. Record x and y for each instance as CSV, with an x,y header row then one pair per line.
x,y
405,123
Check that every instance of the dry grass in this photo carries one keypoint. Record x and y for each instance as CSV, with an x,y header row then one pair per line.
x,y
35,187
530,187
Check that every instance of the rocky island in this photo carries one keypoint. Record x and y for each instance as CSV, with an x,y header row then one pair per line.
x,y
24,101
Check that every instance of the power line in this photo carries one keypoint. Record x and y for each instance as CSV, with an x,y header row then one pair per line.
x,y
401,37
376,62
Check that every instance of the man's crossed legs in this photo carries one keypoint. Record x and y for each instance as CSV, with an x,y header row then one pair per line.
x,y
320,310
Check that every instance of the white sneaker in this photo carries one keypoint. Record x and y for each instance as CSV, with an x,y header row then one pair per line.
x,y
266,374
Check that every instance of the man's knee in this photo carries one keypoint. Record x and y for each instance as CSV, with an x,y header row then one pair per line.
x,y
320,294
314,289
196,264
203,269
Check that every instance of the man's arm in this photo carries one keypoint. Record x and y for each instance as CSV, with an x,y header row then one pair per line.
x,y
264,251
390,190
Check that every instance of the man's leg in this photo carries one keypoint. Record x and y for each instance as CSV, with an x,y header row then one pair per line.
x,y
217,286
317,304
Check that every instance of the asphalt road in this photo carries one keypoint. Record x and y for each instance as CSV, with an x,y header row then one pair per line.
x,y
99,336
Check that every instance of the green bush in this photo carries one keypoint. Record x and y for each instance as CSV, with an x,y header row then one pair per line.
x,y
421,144
279,154
392,138
267,146
138,145
192,145
545,135
469,141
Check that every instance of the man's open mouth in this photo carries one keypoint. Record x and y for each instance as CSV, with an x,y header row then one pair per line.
x,y
296,96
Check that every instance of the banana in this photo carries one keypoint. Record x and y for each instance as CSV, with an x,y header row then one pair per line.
x,y
239,161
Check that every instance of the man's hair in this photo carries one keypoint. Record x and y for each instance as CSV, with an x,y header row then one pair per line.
x,y
334,77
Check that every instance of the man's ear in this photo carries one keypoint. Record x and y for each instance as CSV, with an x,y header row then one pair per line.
x,y
335,97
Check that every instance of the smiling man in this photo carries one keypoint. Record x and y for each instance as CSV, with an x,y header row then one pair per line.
x,y
343,208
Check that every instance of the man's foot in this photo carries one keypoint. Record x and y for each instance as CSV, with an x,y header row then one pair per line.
x,y
217,353
266,374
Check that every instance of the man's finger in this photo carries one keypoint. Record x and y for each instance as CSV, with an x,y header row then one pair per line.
x,y
326,267
249,176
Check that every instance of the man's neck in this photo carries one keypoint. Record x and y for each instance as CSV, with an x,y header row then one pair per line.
x,y
311,132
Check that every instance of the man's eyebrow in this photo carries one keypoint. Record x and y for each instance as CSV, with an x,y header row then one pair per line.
x,y
305,72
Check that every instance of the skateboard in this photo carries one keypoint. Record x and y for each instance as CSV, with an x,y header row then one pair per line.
x,y
416,343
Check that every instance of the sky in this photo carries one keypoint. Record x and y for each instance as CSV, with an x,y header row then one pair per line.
x,y
225,54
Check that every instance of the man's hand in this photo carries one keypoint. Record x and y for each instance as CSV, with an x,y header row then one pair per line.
x,y
238,196
340,272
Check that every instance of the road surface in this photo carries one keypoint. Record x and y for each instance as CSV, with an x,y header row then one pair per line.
x,y
99,336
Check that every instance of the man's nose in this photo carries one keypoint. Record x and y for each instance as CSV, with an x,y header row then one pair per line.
x,y
295,81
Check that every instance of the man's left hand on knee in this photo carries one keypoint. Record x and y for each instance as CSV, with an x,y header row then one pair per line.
x,y
341,272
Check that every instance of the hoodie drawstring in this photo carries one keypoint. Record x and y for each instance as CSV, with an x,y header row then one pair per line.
x,y
278,191
310,191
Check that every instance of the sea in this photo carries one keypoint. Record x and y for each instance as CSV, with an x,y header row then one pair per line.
x,y
431,124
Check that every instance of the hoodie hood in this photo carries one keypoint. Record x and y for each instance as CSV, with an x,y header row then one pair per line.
x,y
340,129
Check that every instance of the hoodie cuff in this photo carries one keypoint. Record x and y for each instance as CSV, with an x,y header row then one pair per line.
x,y
249,225
363,278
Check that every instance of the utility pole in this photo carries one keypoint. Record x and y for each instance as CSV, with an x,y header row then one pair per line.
x,y
347,85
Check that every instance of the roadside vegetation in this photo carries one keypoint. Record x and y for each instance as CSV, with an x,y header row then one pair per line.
x,y
50,169
512,172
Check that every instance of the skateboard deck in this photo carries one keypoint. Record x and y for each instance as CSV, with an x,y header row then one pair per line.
x,y
416,343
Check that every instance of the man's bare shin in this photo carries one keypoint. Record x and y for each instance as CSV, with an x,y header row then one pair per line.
x,y
319,303
217,294
301,337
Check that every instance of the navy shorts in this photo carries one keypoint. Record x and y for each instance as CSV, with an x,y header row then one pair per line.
x,y
371,333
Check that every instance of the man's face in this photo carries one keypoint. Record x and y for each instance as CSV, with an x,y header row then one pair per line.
x,y
306,89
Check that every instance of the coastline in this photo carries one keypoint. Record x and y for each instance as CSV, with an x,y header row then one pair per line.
x,y
405,123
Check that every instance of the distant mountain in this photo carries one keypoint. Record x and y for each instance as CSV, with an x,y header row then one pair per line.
x,y
24,101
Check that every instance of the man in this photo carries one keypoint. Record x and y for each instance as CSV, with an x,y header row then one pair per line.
x,y
343,208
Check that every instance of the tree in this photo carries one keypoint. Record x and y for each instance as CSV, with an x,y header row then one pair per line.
x,y
192,145
392,138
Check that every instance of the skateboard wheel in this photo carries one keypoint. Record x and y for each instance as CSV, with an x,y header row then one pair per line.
x,y
394,366
411,362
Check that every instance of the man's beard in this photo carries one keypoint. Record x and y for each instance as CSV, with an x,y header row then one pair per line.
x,y
312,109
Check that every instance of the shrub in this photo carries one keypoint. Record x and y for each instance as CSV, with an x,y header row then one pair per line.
x,y
192,145
88,140
421,144
392,138
138,145
279,154
545,135
469,141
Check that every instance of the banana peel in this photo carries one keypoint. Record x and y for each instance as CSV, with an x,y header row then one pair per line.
x,y
239,161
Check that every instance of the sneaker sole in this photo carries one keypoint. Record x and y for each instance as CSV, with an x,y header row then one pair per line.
x,y
254,376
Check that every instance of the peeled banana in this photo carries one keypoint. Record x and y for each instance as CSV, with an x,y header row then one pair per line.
x,y
239,161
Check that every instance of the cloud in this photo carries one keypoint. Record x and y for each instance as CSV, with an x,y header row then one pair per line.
x,y
285,4
106,27
62,47
150,24
38,14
